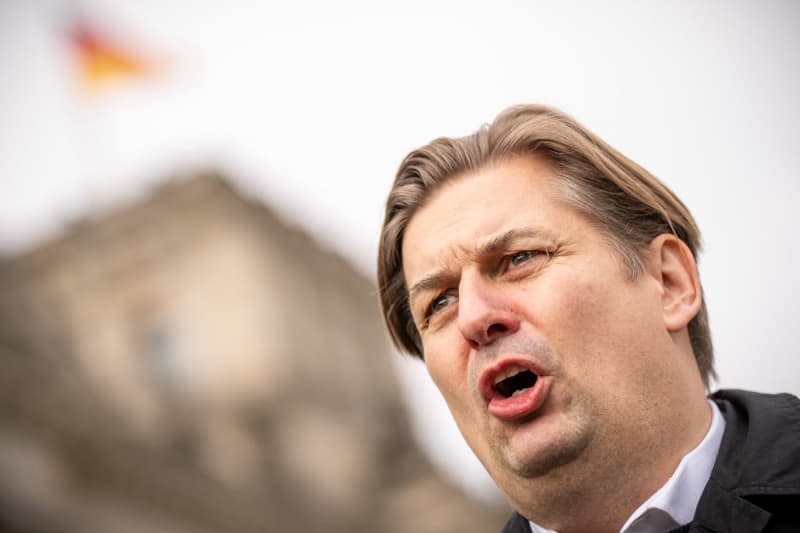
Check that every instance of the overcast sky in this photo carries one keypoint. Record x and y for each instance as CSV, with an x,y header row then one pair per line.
x,y
311,106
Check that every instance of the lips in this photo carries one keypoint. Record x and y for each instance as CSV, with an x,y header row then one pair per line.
x,y
513,388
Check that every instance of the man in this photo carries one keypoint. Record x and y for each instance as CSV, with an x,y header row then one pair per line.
x,y
550,285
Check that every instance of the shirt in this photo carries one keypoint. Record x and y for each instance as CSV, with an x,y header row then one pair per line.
x,y
675,502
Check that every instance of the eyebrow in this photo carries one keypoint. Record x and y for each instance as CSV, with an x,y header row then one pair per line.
x,y
492,246
429,282
500,242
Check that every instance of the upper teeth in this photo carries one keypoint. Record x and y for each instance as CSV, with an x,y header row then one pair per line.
x,y
507,372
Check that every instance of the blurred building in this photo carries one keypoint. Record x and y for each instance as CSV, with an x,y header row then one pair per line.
x,y
191,364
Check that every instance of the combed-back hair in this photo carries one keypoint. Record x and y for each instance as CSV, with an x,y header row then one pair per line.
x,y
624,201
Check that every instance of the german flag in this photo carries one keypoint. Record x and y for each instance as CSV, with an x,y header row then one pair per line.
x,y
104,62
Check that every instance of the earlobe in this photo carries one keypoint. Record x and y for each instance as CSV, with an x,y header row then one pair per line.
x,y
675,266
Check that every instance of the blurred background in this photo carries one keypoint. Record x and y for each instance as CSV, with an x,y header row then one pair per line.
x,y
191,200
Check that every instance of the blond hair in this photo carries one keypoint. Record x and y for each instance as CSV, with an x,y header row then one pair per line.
x,y
626,203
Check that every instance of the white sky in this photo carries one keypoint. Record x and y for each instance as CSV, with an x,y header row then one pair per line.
x,y
312,106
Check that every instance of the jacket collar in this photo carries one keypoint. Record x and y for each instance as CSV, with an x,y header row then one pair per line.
x,y
760,450
757,459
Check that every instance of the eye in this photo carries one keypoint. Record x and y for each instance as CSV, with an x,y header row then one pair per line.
x,y
524,260
440,302
521,257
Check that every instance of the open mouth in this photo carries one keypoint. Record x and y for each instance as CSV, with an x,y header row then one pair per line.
x,y
515,384
514,388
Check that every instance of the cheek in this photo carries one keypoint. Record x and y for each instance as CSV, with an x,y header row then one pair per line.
x,y
575,310
604,331
448,370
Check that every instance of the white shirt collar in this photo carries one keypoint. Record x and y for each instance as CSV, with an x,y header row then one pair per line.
x,y
675,502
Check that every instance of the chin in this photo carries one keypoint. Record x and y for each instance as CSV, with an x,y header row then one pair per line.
x,y
533,456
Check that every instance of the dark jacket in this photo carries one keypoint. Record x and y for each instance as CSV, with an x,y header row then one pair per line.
x,y
755,484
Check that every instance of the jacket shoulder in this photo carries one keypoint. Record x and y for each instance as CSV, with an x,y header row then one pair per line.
x,y
755,483
761,445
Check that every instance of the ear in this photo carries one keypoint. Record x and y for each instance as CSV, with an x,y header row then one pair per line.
x,y
672,263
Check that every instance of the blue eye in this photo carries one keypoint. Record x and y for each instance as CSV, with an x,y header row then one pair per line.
x,y
520,257
440,302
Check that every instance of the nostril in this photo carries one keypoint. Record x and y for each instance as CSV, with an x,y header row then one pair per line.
x,y
480,323
495,329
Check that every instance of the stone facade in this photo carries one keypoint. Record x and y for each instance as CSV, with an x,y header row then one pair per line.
x,y
189,363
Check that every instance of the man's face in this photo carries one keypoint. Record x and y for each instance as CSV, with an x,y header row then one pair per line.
x,y
541,345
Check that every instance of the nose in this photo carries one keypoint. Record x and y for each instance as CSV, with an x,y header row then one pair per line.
x,y
483,312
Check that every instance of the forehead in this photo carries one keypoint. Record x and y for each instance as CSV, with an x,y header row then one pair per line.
x,y
468,210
